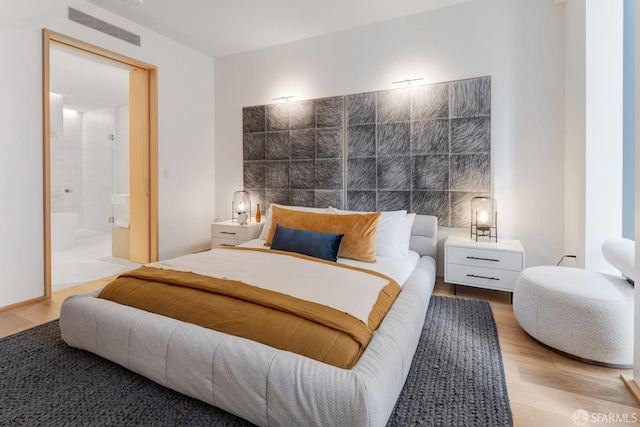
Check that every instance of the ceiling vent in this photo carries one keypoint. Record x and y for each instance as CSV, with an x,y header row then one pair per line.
x,y
105,27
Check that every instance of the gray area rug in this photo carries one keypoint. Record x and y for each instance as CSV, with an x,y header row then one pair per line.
x,y
456,379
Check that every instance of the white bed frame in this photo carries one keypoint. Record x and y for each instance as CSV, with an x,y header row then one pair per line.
x,y
261,384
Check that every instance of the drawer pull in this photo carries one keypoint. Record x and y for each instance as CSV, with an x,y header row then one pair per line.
x,y
483,259
228,232
482,277
226,245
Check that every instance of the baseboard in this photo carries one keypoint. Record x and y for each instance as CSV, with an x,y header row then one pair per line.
x,y
23,303
632,386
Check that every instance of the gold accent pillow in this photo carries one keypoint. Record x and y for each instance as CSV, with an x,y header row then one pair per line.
x,y
359,241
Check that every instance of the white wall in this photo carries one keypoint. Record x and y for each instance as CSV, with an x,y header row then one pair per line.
x,y
604,20
519,44
593,147
575,130
186,137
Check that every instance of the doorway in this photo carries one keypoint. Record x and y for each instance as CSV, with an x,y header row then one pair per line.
x,y
117,138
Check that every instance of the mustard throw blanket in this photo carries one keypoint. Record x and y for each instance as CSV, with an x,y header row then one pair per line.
x,y
272,318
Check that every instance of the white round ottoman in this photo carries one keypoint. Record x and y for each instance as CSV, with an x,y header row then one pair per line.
x,y
582,314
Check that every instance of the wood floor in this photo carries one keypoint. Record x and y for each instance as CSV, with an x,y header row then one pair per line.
x,y
545,388
28,316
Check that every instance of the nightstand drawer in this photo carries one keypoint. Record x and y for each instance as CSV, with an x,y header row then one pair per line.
x,y
239,232
217,242
493,259
483,277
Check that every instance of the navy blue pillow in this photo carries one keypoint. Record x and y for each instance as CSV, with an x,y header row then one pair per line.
x,y
318,245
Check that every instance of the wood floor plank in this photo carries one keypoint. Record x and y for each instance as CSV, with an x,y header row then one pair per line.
x,y
558,406
37,313
603,388
575,366
10,323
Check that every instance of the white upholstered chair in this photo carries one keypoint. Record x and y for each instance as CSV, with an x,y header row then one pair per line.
x,y
583,314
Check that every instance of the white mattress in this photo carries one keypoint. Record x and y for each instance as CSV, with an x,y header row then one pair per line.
x,y
399,269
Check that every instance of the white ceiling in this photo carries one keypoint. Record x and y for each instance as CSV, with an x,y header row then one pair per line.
x,y
216,28
86,82
226,27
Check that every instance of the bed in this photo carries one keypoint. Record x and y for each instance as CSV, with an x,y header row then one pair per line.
x,y
257,382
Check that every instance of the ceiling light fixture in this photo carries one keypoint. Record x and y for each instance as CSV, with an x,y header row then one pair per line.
x,y
407,81
286,98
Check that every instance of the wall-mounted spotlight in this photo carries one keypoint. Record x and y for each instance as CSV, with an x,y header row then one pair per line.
x,y
407,81
286,98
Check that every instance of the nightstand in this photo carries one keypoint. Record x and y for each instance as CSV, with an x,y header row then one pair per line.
x,y
489,265
230,233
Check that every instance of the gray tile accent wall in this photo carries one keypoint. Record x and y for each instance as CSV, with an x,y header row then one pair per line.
x,y
293,153
426,149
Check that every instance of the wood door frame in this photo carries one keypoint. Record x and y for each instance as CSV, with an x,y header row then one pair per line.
x,y
148,163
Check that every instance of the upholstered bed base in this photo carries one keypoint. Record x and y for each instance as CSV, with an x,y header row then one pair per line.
x,y
264,385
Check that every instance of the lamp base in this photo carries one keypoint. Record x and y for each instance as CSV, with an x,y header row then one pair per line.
x,y
242,213
490,233
485,232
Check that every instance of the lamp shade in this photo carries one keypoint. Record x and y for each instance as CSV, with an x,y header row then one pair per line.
x,y
484,218
241,206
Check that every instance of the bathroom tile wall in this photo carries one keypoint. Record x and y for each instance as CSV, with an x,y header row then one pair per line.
x,y
83,172
72,164
121,165
66,159
56,152
98,168
121,212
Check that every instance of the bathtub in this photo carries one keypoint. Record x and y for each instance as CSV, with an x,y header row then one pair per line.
x,y
63,230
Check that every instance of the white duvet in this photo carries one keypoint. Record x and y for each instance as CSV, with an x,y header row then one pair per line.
x,y
346,290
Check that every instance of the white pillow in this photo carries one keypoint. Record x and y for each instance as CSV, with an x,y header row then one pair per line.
x,y
389,234
267,220
405,234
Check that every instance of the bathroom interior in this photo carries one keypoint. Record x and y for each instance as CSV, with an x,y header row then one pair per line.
x,y
89,163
